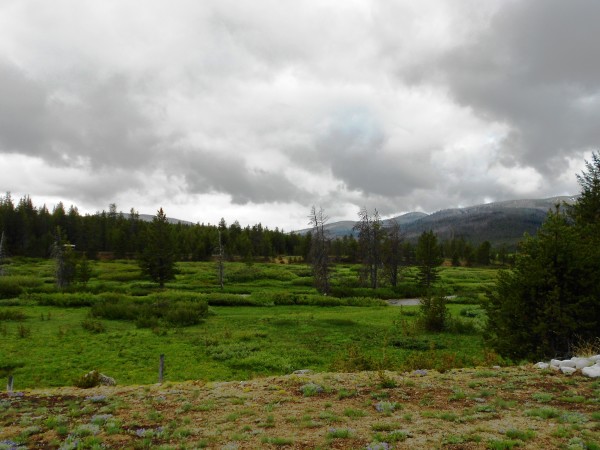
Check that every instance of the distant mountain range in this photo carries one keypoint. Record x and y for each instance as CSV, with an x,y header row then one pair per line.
x,y
499,222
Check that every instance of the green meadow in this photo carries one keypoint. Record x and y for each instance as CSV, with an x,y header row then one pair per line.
x,y
268,320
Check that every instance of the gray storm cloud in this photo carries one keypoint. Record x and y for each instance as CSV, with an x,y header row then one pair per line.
x,y
397,105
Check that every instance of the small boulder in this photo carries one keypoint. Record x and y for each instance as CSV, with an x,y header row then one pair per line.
x,y
541,365
580,363
592,371
567,363
568,370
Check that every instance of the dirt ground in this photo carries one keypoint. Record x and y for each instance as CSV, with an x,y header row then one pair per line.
x,y
461,409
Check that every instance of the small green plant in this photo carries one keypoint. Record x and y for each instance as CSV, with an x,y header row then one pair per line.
x,y
354,413
519,434
311,389
277,441
93,326
88,380
340,433
543,413
502,445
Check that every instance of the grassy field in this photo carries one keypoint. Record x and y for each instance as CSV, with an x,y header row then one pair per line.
x,y
48,344
367,387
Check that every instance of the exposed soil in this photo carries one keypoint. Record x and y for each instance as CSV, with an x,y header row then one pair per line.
x,y
459,409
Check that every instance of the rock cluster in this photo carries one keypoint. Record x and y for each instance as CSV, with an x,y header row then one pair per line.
x,y
589,367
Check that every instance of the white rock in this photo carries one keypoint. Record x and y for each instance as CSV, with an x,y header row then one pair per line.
x,y
541,365
555,367
580,363
568,370
555,362
567,363
592,371
594,358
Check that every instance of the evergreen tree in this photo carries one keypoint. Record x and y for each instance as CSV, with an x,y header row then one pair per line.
x,y
158,257
428,260
65,261
550,299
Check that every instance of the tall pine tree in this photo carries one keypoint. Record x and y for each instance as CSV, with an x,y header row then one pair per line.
x,y
550,300
158,257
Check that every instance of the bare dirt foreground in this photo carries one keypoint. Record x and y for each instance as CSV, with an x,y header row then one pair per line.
x,y
460,409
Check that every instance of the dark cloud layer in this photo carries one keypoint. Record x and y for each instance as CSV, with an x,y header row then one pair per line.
x,y
274,107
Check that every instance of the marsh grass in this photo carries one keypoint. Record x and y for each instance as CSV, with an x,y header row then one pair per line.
x,y
294,328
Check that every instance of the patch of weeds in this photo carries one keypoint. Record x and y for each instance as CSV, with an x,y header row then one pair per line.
x,y
53,422
572,399
573,417
354,413
543,413
380,395
520,434
311,389
378,445
340,433
329,417
502,445
344,393
426,400
385,381
277,441
381,426
461,439
397,436
268,423
31,430
457,394
486,393
542,397
86,429
486,374
206,406
562,432
504,404
386,408
186,407
100,419
238,400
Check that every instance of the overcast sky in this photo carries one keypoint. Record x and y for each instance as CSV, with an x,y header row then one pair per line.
x,y
256,110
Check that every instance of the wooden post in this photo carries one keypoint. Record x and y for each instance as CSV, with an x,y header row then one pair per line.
x,y
9,386
161,368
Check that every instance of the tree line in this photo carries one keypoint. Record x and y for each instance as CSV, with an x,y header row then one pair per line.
x,y
32,232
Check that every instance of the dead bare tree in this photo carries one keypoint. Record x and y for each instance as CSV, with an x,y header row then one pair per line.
x,y
392,253
370,237
319,250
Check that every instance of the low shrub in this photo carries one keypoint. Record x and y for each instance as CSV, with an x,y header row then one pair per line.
x,y
9,287
88,380
93,326
150,311
64,299
12,315
224,299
